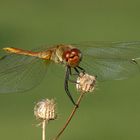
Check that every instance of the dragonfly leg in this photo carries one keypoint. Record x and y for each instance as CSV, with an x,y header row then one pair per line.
x,y
83,71
76,74
77,71
66,85
73,74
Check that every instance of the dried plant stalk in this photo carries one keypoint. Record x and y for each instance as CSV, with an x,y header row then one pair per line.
x,y
45,110
43,129
85,83
70,116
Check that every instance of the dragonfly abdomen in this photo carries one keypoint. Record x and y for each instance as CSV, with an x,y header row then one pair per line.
x,y
44,55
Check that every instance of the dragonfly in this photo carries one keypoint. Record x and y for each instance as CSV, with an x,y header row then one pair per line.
x,y
21,70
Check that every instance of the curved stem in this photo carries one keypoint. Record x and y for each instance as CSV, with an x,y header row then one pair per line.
x,y
70,117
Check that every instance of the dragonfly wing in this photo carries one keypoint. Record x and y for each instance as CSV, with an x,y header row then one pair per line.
x,y
111,60
20,73
108,69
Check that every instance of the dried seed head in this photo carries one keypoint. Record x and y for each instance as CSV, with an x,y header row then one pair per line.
x,y
85,83
45,110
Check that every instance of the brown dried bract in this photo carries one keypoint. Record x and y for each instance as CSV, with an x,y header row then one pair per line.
x,y
85,83
45,110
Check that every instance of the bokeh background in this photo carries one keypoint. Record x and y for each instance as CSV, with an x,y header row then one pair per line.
x,y
113,111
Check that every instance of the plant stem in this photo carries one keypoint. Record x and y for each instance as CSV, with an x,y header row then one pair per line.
x,y
70,117
43,129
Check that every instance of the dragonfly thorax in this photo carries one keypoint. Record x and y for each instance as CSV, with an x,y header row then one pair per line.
x,y
66,54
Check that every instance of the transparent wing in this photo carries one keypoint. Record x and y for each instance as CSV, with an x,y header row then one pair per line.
x,y
111,60
19,73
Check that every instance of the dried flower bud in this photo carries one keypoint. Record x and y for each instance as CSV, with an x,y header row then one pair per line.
x,y
45,110
85,83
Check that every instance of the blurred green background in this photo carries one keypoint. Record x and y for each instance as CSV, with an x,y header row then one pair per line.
x,y
112,112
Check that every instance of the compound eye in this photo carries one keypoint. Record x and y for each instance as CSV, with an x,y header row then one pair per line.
x,y
75,51
66,55
72,57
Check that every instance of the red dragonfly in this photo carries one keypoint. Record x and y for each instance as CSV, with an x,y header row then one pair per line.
x,y
21,70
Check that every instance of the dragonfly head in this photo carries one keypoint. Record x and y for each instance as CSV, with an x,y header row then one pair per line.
x,y
72,57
